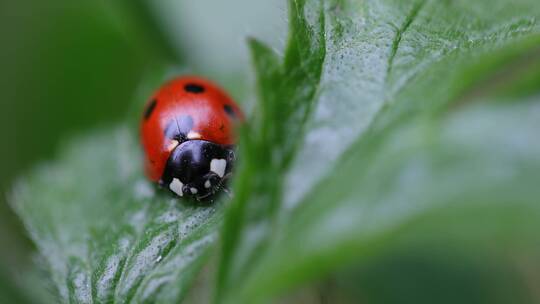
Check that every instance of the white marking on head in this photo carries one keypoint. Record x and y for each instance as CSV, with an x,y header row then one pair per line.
x,y
207,184
194,135
218,166
176,187
193,190
173,144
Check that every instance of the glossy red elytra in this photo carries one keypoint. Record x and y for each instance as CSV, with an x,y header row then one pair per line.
x,y
187,132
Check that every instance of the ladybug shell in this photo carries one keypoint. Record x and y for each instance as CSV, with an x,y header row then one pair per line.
x,y
186,108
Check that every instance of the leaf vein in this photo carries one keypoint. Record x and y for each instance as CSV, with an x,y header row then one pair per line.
x,y
399,34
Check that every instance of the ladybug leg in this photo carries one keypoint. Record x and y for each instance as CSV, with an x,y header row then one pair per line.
x,y
213,184
224,182
203,197
211,180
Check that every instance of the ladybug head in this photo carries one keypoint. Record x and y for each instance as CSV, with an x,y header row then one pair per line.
x,y
198,168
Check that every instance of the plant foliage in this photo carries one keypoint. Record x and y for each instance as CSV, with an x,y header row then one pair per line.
x,y
386,126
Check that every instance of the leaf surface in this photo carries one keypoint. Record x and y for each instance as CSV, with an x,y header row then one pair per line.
x,y
104,233
407,136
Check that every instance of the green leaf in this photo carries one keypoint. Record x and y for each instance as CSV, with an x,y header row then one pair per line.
x,y
286,92
9,292
104,233
394,148
428,181
431,275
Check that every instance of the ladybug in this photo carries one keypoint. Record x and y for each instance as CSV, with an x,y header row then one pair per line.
x,y
187,132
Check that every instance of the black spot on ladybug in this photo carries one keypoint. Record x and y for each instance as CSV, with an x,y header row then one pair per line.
x,y
222,127
229,110
193,88
179,127
150,108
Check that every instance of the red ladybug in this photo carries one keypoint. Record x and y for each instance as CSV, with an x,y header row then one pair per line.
x,y
187,135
